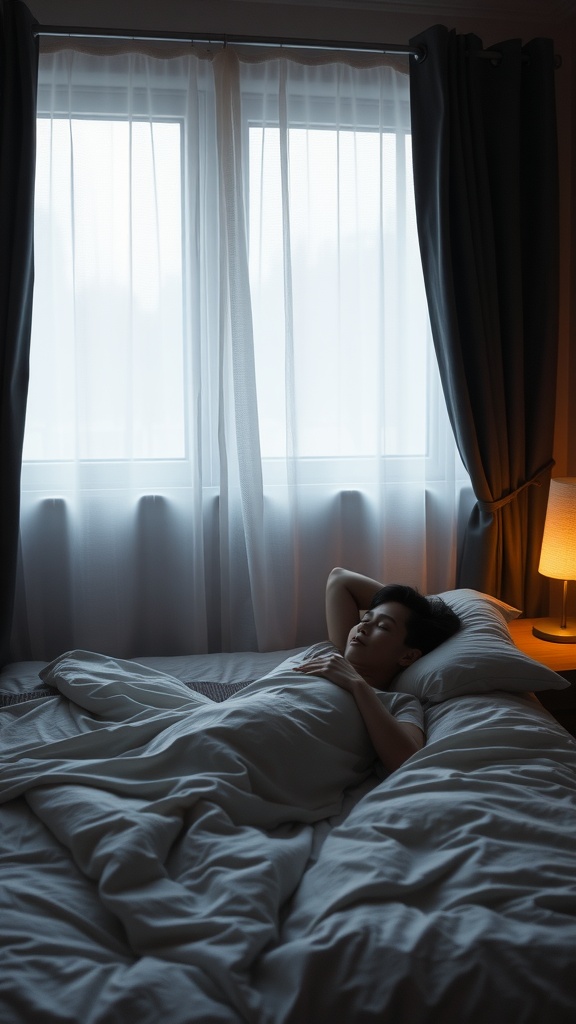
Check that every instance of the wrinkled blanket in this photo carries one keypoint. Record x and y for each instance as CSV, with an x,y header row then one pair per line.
x,y
449,892
171,859
193,818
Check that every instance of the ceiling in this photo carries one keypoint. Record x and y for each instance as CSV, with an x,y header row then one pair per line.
x,y
554,11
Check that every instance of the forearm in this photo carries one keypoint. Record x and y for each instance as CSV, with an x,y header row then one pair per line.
x,y
393,741
347,593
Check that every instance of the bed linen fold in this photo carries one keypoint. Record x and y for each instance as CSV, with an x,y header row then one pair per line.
x,y
240,864
449,892
193,819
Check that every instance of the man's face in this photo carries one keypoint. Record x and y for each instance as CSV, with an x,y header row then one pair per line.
x,y
376,647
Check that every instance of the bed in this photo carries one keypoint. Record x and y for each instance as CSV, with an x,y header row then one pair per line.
x,y
209,839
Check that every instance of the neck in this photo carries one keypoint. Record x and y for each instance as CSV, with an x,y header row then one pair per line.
x,y
378,682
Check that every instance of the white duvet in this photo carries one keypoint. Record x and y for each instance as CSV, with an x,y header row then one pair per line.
x,y
449,893
184,879
191,817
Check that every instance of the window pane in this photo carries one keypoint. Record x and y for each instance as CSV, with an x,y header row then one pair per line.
x,y
107,331
358,342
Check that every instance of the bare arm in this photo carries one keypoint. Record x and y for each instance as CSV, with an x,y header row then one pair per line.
x,y
347,594
393,741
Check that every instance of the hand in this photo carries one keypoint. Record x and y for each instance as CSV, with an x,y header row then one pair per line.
x,y
393,741
333,667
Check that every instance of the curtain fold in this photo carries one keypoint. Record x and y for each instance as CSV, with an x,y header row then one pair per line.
x,y
18,75
245,579
486,187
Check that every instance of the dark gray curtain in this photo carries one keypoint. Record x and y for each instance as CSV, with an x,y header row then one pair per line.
x,y
18,80
486,181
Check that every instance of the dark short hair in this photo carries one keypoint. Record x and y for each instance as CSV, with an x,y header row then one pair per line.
x,y
431,620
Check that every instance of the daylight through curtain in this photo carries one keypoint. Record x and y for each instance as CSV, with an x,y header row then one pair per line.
x,y
233,387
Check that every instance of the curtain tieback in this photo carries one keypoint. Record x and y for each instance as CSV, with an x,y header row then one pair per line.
x,y
534,481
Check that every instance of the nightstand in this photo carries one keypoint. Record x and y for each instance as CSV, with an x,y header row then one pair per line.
x,y
561,658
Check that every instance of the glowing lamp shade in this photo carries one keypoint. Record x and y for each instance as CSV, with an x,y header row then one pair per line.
x,y
558,556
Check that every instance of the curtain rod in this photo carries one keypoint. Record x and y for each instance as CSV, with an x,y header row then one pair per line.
x,y
62,31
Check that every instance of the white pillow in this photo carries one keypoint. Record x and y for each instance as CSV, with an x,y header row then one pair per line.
x,y
480,658
466,599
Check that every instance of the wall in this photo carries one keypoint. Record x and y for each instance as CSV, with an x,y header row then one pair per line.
x,y
369,21
318,19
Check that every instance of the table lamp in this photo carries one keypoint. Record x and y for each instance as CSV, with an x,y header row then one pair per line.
x,y
558,556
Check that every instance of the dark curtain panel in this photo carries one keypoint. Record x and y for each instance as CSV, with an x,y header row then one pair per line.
x,y
18,80
486,181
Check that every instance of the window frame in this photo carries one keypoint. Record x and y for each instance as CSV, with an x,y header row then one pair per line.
x,y
342,471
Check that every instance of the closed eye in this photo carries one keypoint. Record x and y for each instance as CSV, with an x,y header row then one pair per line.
x,y
384,623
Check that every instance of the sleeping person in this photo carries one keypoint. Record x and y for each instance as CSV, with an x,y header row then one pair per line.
x,y
370,650
194,821
146,735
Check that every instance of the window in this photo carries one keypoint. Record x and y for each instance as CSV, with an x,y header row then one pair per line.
x,y
109,280
353,240
233,387
110,200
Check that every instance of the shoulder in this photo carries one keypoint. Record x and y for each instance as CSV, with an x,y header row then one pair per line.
x,y
403,706
325,647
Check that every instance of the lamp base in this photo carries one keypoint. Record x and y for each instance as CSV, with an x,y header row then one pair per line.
x,y
551,630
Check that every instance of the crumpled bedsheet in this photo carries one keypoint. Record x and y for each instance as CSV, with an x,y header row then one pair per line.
x,y
449,892
197,866
193,819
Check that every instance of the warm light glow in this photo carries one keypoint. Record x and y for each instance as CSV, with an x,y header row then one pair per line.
x,y
558,557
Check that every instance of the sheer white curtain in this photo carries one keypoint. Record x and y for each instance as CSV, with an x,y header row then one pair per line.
x,y
232,382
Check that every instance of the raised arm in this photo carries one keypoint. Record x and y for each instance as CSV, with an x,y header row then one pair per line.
x,y
347,595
